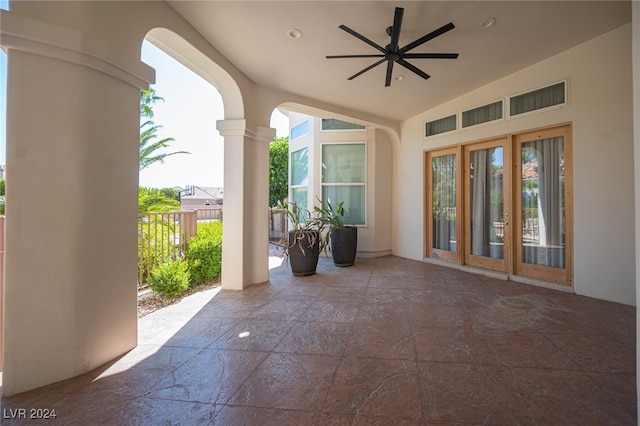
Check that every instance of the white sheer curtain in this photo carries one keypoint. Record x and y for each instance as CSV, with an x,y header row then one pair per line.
x,y
443,171
548,250
479,203
486,203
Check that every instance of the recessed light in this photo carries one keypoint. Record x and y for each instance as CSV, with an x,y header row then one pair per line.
x,y
399,77
487,23
294,33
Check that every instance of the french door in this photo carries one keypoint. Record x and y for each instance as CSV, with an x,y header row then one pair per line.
x,y
486,200
544,188
504,204
442,200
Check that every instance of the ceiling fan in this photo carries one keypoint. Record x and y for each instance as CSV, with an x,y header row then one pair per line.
x,y
393,53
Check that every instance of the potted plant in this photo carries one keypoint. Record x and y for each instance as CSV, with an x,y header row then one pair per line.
x,y
341,239
303,243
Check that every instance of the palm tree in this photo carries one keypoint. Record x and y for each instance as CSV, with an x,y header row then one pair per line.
x,y
156,200
148,133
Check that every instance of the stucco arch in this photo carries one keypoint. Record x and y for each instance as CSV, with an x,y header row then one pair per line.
x,y
246,164
185,53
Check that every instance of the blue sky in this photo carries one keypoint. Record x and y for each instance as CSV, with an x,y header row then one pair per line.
x,y
189,114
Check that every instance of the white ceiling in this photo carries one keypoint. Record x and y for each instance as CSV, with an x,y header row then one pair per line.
x,y
253,35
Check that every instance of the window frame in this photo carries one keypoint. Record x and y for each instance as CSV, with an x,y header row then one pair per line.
x,y
348,184
359,129
507,106
484,123
293,187
455,129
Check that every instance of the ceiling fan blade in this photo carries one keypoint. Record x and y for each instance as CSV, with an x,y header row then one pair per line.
x,y
363,38
410,67
397,25
366,69
387,81
430,55
353,56
443,29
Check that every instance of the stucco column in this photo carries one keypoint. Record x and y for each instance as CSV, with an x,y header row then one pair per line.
x,y
245,258
72,178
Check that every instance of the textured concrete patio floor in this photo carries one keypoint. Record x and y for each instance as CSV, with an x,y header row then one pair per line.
x,y
386,342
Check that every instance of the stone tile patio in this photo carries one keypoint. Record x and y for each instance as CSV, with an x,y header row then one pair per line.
x,y
388,341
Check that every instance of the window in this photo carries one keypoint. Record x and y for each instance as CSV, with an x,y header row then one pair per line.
x,y
441,125
300,130
538,99
300,177
333,124
482,114
344,179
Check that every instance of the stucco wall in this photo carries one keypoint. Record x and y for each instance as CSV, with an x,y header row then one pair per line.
x,y
598,74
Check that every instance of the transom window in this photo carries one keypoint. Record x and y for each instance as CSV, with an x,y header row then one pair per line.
x,y
300,130
334,124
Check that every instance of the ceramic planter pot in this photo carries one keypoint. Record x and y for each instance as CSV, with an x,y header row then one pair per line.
x,y
344,243
303,251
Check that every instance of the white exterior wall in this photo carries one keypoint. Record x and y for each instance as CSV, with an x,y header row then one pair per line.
x,y
599,75
381,195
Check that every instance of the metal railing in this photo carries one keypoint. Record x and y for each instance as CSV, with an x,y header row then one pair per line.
x,y
162,237
209,213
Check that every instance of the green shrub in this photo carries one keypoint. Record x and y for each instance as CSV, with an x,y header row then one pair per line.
x,y
154,245
204,253
170,279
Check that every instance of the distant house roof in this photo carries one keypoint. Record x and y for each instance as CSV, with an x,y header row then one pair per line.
x,y
193,192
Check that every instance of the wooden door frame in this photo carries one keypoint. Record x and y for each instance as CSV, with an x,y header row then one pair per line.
x,y
561,276
429,250
512,145
504,264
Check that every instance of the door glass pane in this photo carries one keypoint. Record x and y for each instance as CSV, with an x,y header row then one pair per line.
x,y
443,172
543,218
486,199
